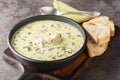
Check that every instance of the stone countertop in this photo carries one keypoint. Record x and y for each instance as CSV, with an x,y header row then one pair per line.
x,y
12,11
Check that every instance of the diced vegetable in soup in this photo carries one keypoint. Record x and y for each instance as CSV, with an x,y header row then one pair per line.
x,y
47,40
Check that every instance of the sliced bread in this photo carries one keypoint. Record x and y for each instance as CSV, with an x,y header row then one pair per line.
x,y
98,32
104,20
94,49
100,29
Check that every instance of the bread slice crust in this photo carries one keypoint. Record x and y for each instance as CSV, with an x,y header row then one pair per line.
x,y
99,30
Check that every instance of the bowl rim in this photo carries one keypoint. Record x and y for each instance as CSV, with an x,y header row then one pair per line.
x,y
44,61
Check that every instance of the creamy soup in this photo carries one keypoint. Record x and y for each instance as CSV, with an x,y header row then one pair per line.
x,y
47,40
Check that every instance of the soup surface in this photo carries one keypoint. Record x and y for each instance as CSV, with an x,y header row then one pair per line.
x,y
47,40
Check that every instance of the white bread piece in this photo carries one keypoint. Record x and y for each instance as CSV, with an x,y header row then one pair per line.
x,y
94,49
100,29
98,32
104,20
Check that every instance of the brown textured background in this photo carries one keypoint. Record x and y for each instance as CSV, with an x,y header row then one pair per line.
x,y
105,67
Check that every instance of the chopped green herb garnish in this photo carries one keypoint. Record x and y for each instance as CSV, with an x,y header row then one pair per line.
x,y
73,43
49,33
15,40
35,43
51,49
79,35
53,57
37,49
69,52
45,29
30,43
69,35
69,28
29,48
14,43
29,32
59,25
17,32
58,47
23,39
25,47
14,37
73,38
42,52
57,52
60,35
52,25
64,48
43,26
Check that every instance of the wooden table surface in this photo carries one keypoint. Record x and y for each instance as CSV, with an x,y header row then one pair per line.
x,y
105,67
